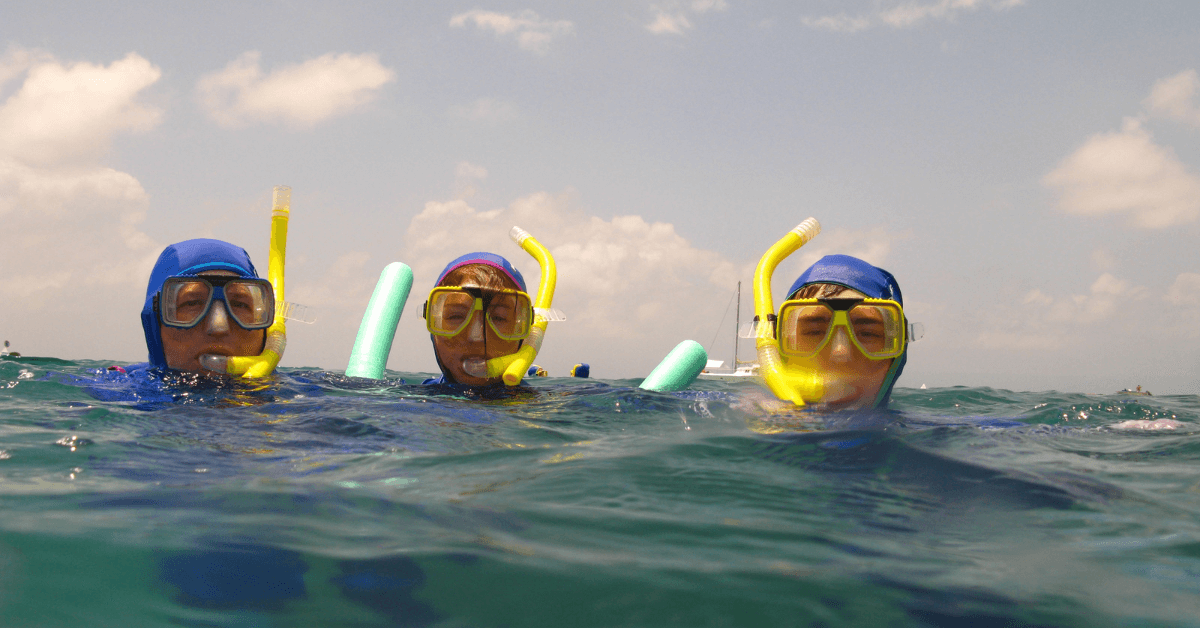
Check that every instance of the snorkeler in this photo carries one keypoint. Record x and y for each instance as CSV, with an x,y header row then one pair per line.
x,y
840,339
205,298
478,311
845,317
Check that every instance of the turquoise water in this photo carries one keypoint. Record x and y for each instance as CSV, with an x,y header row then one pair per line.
x,y
324,501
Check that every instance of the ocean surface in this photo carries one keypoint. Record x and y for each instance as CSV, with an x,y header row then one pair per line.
x,y
321,500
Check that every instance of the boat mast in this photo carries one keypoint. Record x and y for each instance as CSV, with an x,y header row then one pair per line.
x,y
737,323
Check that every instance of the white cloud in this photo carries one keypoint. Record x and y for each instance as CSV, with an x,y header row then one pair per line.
x,y
904,14
674,16
466,171
72,225
17,60
1126,172
1099,304
486,110
840,23
466,174
70,112
1175,97
1184,294
1103,259
299,95
1043,322
532,32
1185,290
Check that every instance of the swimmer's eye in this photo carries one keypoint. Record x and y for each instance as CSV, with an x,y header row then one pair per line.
x,y
241,305
872,329
813,325
190,307
455,318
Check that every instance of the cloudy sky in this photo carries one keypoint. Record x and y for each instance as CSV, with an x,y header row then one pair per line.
x,y
1028,169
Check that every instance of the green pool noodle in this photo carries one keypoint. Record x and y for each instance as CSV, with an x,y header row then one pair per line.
x,y
378,328
679,369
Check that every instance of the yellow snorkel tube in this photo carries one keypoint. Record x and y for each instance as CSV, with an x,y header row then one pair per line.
x,y
262,365
789,383
513,366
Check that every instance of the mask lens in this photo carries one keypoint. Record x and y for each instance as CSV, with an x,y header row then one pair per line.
x,y
251,303
878,328
803,329
509,314
449,312
184,301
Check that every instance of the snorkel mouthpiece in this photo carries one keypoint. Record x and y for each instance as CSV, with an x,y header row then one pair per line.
x,y
512,367
264,364
475,367
793,383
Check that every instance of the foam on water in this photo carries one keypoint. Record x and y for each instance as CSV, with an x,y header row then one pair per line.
x,y
326,500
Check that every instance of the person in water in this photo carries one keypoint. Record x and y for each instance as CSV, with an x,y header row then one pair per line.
x,y
205,298
478,310
844,318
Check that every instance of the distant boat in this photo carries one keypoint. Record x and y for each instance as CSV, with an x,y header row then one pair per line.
x,y
740,368
1134,391
744,369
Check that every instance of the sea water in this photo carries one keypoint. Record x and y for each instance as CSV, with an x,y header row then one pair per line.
x,y
321,500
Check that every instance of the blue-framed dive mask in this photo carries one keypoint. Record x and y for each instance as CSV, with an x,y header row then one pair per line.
x,y
184,301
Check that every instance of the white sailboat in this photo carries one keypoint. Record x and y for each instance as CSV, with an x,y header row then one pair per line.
x,y
717,368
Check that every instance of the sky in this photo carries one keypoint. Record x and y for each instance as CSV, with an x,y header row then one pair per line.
x,y
1029,170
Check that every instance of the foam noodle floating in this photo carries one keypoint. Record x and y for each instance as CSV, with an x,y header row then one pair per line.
x,y
679,369
378,328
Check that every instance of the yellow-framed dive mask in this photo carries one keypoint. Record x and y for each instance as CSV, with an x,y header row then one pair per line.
x,y
450,310
876,326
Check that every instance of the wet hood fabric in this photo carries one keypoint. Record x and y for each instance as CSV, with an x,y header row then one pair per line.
x,y
190,257
872,281
487,259
851,272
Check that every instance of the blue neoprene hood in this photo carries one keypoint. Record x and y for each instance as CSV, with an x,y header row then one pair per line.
x,y
874,282
189,257
487,259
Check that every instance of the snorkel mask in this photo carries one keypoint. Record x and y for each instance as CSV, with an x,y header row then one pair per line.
x,y
264,364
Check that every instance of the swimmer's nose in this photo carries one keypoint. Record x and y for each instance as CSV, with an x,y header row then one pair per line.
x,y
841,348
475,333
218,320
